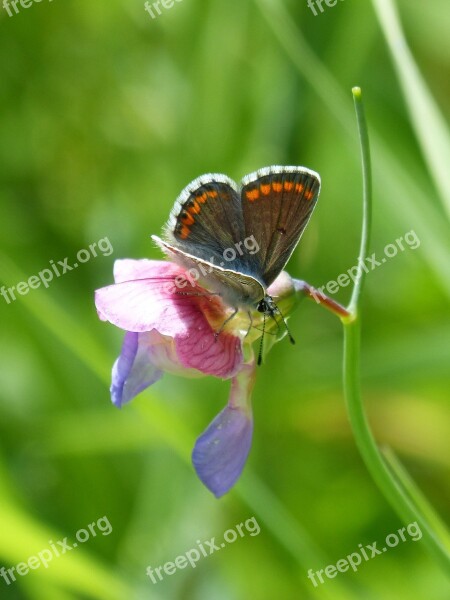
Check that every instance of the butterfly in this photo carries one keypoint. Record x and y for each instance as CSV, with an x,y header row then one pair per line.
x,y
237,238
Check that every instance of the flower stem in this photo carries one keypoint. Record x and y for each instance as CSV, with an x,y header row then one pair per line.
x,y
382,475
314,294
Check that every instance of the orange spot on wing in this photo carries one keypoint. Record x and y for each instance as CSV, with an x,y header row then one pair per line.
x,y
299,187
195,208
252,195
184,232
212,194
309,194
265,189
288,186
202,197
277,186
188,219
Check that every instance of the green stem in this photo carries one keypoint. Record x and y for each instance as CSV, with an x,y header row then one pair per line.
x,y
367,202
365,441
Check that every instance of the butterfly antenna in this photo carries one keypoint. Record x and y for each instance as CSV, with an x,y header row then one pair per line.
x,y
261,342
291,339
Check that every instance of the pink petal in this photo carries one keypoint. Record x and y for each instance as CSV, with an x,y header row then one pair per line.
x,y
150,301
153,302
282,286
200,349
128,269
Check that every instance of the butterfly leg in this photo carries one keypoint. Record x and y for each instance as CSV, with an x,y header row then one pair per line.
x,y
250,316
227,320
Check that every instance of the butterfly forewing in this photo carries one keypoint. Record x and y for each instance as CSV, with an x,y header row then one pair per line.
x,y
213,219
207,218
277,203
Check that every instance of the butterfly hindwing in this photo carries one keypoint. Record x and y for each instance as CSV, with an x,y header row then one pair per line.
x,y
235,288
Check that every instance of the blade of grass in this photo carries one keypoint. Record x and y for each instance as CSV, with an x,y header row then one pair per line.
x,y
417,496
78,571
429,124
55,319
296,540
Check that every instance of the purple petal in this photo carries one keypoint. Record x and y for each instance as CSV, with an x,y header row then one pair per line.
x,y
133,371
221,451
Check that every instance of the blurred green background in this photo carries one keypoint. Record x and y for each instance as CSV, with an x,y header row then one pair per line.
x,y
105,115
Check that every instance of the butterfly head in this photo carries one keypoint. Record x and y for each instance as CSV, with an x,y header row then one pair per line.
x,y
268,308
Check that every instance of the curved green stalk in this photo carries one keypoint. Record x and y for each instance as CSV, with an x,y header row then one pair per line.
x,y
367,203
383,477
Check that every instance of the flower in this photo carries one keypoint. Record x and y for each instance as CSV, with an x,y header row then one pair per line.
x,y
171,327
